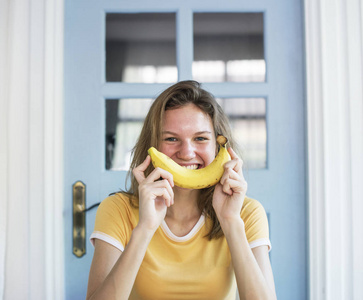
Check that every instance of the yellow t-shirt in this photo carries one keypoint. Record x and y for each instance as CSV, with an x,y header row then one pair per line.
x,y
189,267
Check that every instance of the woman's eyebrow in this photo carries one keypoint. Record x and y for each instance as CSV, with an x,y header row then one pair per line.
x,y
169,132
203,132
196,133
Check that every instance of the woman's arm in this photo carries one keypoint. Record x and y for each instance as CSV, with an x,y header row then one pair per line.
x,y
261,255
113,274
252,267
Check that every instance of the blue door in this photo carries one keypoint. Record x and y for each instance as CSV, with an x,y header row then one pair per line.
x,y
257,75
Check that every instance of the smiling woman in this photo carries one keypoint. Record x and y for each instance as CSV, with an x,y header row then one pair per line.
x,y
124,119
165,240
193,175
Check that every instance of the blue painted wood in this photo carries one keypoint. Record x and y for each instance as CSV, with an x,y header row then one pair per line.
x,y
185,42
280,187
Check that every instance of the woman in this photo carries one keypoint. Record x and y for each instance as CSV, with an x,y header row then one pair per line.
x,y
160,241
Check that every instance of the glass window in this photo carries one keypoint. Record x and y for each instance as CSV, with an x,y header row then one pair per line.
x,y
248,121
124,120
141,47
229,47
125,117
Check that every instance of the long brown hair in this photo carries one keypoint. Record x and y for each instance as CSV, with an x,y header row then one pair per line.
x,y
178,95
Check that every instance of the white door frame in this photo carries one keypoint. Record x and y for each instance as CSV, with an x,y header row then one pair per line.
x,y
334,64
31,149
31,135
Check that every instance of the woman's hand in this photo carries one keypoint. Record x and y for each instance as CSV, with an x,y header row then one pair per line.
x,y
231,190
155,195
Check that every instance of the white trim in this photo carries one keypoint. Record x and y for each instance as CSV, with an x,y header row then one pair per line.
x,y
355,107
315,128
187,237
334,54
261,242
31,164
18,148
53,144
334,33
4,156
106,238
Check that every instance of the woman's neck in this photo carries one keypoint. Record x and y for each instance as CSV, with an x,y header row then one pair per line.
x,y
185,205
184,214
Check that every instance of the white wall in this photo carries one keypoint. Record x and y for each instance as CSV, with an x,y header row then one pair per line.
x,y
31,248
31,160
334,60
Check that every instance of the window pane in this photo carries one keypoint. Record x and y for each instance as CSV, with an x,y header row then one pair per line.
x,y
141,48
125,117
229,47
124,120
248,121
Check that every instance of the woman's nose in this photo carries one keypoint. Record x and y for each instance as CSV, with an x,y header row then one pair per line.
x,y
186,151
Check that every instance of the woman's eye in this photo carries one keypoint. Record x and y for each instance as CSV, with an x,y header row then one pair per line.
x,y
200,138
170,139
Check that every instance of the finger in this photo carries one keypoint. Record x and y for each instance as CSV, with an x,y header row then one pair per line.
x,y
230,173
163,193
226,188
165,184
235,164
156,191
232,153
231,186
157,173
140,169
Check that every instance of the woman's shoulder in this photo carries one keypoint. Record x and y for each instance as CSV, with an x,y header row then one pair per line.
x,y
256,223
251,206
119,201
118,206
251,203
115,220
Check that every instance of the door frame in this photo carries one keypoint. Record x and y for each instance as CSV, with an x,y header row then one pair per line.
x,y
31,149
320,16
319,267
334,76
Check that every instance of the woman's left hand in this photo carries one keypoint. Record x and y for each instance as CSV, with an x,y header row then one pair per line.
x,y
230,192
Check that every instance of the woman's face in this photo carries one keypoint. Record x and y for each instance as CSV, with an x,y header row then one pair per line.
x,y
188,137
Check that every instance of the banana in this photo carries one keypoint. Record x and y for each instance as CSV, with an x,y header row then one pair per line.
x,y
193,179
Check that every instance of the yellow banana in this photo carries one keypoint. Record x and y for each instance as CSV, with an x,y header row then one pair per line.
x,y
193,179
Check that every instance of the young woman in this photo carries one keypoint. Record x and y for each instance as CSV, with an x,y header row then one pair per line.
x,y
160,241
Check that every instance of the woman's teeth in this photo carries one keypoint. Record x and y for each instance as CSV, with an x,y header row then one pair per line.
x,y
191,167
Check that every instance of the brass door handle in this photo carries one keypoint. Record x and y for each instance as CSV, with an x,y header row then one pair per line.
x,y
79,219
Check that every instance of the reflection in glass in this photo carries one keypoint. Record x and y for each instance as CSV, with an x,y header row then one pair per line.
x,y
124,120
141,47
229,47
248,121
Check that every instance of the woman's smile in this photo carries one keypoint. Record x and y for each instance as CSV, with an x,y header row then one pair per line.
x,y
188,137
191,167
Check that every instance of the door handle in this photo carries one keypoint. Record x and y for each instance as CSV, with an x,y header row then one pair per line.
x,y
79,219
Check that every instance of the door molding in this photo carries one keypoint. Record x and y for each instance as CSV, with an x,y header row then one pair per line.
x,y
334,266
334,45
31,164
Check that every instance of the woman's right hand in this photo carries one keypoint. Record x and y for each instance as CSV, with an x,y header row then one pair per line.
x,y
155,195
110,265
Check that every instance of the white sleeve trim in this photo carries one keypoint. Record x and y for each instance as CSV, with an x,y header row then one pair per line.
x,y
261,242
106,238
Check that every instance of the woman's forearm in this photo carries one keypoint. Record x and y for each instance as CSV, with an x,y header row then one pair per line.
x,y
119,282
250,279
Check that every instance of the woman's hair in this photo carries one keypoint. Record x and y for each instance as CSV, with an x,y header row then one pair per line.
x,y
176,96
